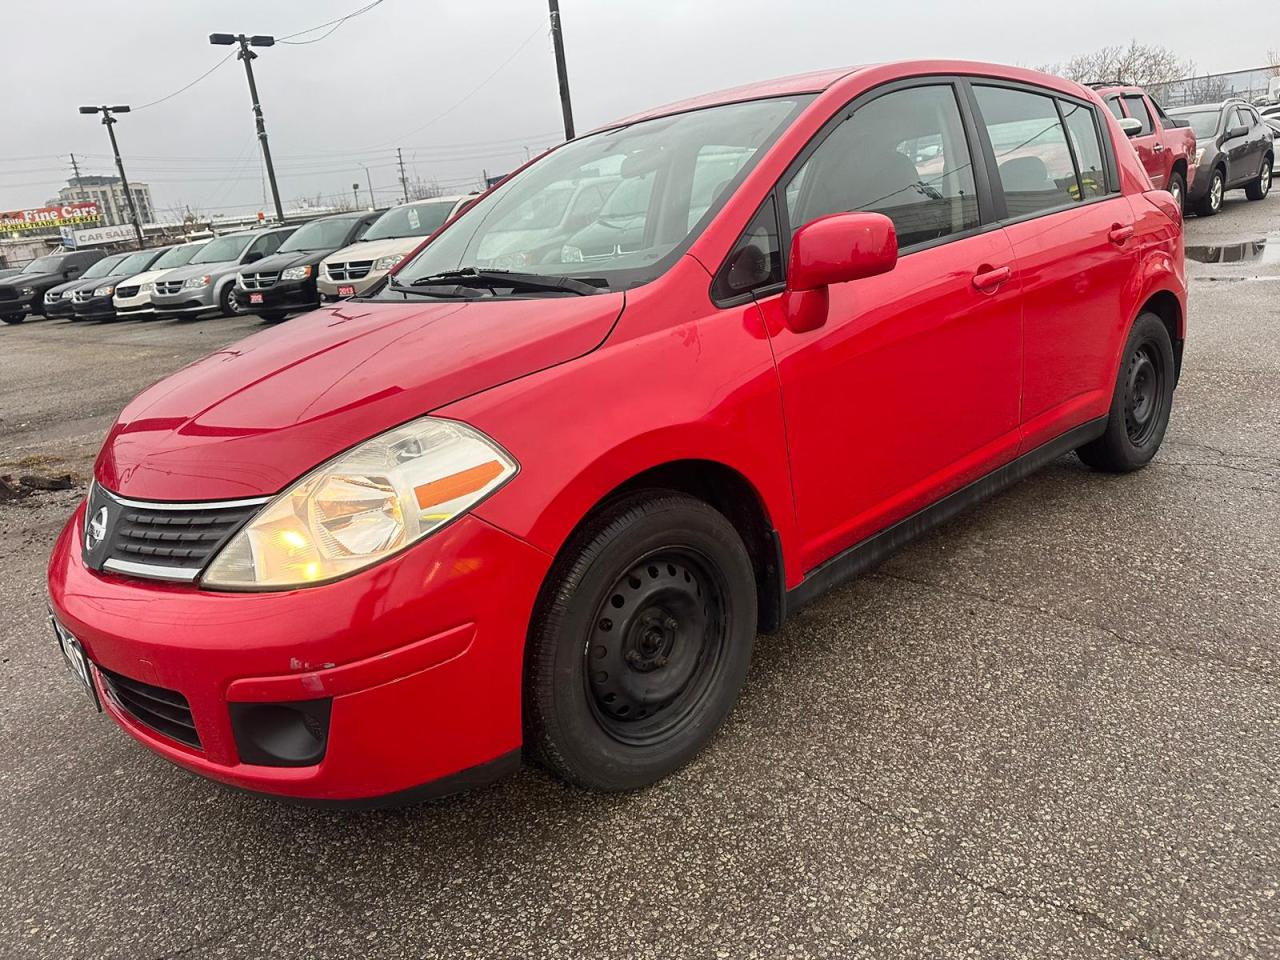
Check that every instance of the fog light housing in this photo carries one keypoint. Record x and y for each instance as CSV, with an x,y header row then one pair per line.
x,y
292,734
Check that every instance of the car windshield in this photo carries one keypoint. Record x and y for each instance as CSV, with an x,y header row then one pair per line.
x,y
662,177
43,265
103,267
222,249
320,235
412,220
134,263
1204,123
177,257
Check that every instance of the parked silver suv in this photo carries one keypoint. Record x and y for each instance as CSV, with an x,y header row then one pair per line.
x,y
208,282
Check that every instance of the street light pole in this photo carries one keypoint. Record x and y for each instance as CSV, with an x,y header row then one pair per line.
x,y
109,122
557,39
248,56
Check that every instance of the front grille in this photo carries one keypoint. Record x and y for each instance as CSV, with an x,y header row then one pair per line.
x,y
173,541
168,288
355,270
52,297
165,711
84,296
8,293
126,292
259,281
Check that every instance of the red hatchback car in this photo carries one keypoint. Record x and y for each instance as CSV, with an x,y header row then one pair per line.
x,y
543,488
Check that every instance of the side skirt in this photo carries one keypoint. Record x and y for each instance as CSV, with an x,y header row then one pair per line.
x,y
875,549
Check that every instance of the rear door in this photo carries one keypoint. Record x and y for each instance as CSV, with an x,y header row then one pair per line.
x,y
1151,149
1058,194
910,389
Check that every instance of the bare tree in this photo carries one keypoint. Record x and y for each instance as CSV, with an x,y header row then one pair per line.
x,y
1273,61
1139,64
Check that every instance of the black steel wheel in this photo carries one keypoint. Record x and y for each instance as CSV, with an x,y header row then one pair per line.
x,y
640,643
1140,403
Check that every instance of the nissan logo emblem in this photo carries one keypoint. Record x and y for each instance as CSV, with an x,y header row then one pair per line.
x,y
96,531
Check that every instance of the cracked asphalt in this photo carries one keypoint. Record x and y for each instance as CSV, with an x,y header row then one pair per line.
x,y
1050,729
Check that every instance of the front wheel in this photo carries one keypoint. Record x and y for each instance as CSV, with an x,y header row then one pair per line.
x,y
1259,188
640,644
228,302
1140,404
13,318
1211,202
1177,186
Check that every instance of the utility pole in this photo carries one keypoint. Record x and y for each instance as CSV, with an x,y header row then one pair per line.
x,y
369,179
404,181
109,122
248,56
557,38
355,190
75,168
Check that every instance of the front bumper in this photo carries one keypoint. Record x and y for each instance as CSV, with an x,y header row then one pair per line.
x,y
98,308
421,655
282,296
187,300
58,309
329,288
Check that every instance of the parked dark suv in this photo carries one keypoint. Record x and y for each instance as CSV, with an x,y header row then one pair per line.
x,y
58,302
1234,149
286,282
24,292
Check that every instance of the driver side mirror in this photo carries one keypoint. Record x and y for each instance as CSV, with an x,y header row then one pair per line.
x,y
1233,132
1130,126
834,249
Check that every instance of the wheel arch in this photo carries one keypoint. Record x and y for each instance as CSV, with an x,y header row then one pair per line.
x,y
1166,305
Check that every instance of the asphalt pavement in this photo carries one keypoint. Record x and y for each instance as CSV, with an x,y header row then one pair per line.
x,y
1050,729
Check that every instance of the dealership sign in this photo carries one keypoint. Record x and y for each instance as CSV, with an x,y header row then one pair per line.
x,y
44,218
97,235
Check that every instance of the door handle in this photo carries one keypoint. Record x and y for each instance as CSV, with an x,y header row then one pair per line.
x,y
1158,148
988,278
1119,233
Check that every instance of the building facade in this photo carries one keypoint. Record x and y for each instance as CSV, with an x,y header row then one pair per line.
x,y
110,197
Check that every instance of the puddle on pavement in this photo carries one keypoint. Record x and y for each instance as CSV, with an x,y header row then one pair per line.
x,y
1250,251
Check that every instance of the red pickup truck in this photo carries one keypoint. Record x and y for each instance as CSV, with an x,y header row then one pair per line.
x,y
1166,147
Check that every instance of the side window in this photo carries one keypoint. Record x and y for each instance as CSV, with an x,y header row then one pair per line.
x,y
1113,104
1138,110
756,260
1088,148
1164,117
1233,119
905,155
266,245
1030,145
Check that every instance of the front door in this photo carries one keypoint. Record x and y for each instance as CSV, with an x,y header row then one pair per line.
x,y
1151,149
910,389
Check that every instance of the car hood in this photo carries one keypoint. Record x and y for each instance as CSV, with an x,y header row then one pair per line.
x,y
152,275
280,261
373,249
28,279
71,285
253,417
201,269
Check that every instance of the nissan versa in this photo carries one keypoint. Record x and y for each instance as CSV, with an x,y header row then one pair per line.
x,y
474,512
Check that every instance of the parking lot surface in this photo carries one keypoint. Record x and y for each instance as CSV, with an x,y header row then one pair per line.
x,y
1050,729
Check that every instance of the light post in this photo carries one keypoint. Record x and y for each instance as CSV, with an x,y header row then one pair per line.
x,y
248,56
109,122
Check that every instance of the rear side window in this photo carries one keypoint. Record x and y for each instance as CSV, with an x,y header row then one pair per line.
x,y
1087,147
905,155
1030,146
1137,108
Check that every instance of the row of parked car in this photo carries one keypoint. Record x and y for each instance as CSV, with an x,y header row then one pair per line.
x,y
1199,152
271,272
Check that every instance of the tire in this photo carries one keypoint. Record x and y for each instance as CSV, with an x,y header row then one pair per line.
x,y
228,305
1177,186
1140,403
272,316
1211,202
640,642
1261,186
13,319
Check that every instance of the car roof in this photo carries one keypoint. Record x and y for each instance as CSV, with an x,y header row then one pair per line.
x,y
1199,107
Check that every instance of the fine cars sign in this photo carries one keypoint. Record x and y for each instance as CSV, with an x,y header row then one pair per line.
x,y
44,218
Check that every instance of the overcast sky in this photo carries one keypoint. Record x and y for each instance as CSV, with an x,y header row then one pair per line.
x,y
466,86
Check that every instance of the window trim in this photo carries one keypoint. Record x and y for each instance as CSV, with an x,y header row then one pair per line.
x,y
766,289
1146,110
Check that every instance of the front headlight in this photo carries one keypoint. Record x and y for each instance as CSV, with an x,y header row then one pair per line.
x,y
31,292
386,263
296,273
147,288
197,282
106,291
364,506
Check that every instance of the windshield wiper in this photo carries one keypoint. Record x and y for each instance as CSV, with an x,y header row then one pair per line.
x,y
471,277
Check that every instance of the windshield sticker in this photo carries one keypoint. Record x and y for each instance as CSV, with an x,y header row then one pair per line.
x,y
414,221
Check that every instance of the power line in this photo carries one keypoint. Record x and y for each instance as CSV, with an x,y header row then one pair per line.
x,y
288,38
188,86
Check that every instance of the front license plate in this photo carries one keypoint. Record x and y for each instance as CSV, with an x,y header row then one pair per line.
x,y
346,291
74,655
255,298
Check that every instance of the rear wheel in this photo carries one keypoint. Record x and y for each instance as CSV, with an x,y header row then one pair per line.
x,y
640,644
1259,188
1140,404
1211,202
1178,187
